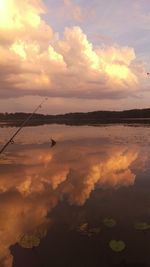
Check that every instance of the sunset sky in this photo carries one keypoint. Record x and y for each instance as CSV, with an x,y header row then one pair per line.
x,y
83,55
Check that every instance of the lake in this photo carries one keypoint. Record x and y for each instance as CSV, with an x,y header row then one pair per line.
x,y
84,202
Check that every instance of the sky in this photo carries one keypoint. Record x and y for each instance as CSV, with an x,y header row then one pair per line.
x,y
83,55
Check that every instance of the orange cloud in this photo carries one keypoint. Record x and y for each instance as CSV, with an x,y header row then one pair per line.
x,y
74,10
30,191
31,51
113,171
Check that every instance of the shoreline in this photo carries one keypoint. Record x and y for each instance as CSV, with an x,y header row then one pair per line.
x,y
128,122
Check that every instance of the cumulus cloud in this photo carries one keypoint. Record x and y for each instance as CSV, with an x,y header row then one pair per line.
x,y
35,60
21,19
74,10
44,177
114,170
18,217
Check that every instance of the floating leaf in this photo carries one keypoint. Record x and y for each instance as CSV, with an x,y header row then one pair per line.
x,y
29,241
117,246
85,230
83,227
109,222
142,226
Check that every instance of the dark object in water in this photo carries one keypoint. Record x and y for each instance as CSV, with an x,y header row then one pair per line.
x,y
53,142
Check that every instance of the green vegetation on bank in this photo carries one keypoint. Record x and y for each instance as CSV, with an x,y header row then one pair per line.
x,y
96,117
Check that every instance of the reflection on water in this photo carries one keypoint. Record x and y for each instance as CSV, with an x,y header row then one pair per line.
x,y
69,202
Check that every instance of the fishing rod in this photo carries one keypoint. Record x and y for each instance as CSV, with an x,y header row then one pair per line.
x,y
11,141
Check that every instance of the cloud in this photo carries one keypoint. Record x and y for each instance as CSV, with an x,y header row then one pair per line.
x,y
19,216
37,179
35,60
73,10
111,171
21,19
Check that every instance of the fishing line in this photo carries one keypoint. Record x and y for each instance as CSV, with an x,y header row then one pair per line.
x,y
11,140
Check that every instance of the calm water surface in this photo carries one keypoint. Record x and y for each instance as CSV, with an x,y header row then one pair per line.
x,y
83,203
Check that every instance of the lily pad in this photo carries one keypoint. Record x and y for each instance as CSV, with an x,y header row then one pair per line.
x,y
109,222
85,230
142,226
83,227
117,246
29,241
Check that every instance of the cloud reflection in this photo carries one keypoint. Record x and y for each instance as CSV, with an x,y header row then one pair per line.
x,y
37,178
